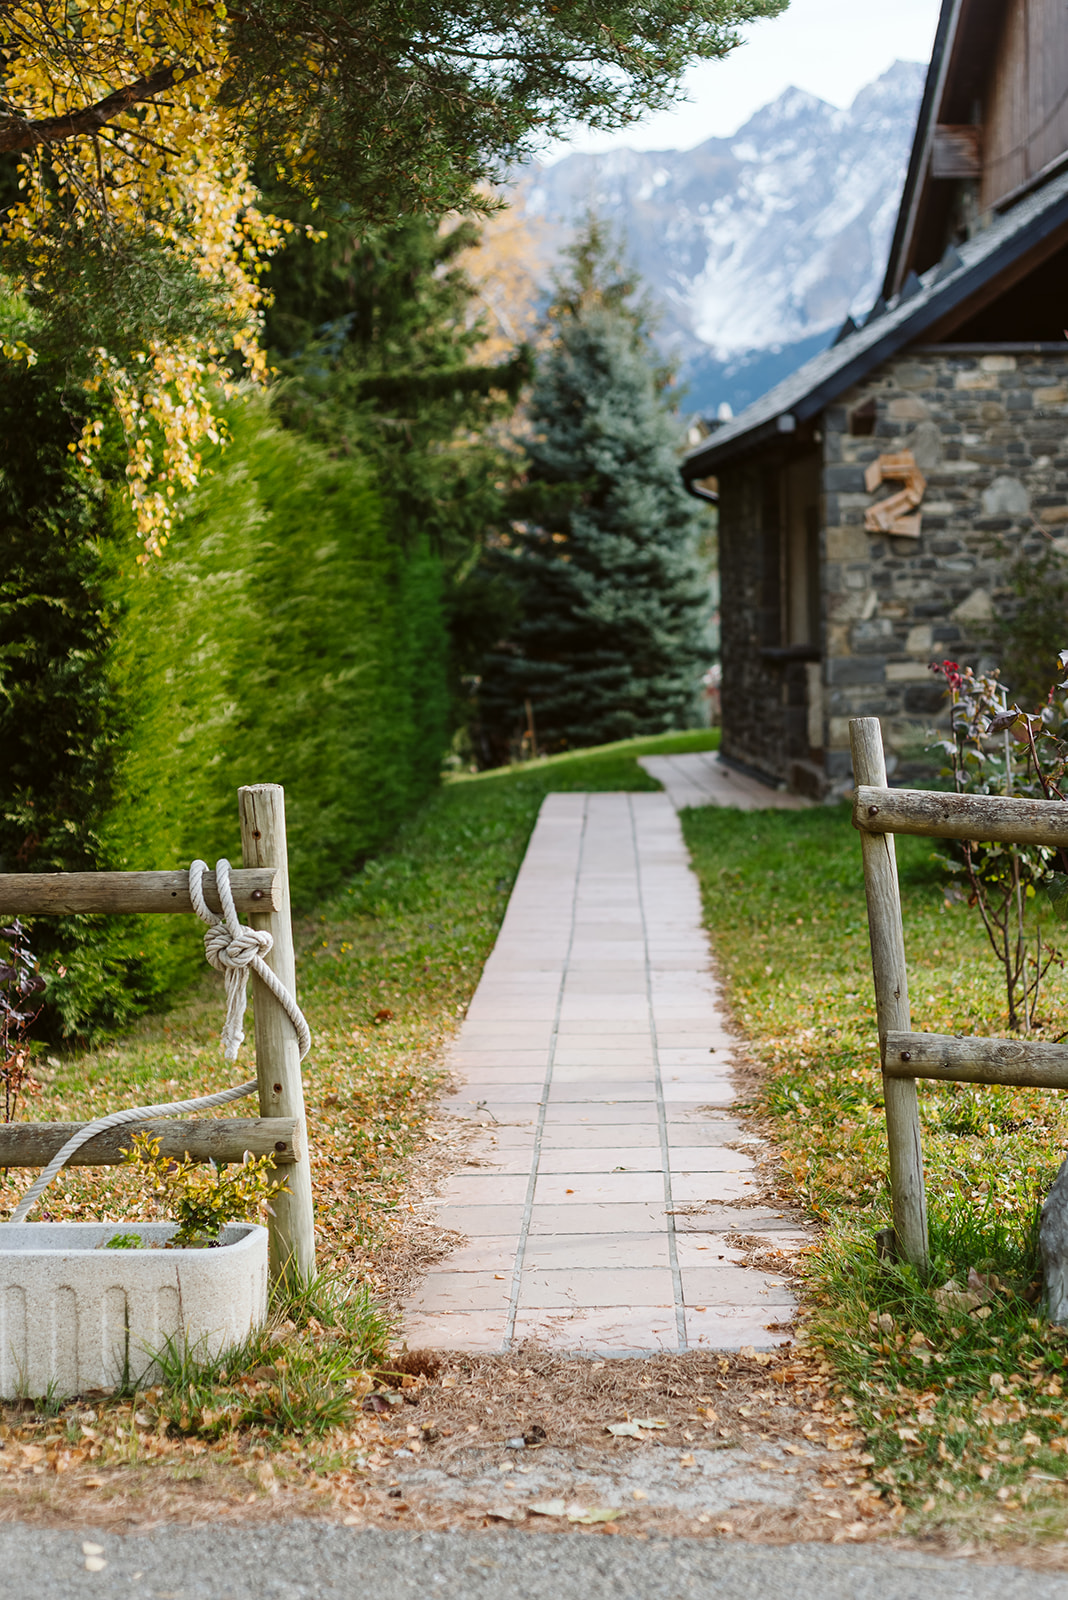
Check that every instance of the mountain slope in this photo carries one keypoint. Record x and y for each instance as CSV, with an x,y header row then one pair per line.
x,y
757,246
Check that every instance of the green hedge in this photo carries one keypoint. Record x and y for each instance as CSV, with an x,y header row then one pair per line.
x,y
283,637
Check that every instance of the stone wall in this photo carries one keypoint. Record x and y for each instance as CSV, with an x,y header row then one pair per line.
x,y
989,428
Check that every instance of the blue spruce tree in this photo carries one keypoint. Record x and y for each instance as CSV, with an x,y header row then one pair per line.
x,y
608,636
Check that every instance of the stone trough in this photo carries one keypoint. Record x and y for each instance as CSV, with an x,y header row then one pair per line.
x,y
75,1316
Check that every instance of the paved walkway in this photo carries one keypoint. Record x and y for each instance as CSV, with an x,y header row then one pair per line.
x,y
606,1173
703,779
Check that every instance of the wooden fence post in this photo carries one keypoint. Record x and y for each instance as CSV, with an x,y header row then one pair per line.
x,y
891,1003
263,844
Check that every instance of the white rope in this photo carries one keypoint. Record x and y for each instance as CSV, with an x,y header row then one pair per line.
x,y
234,951
117,1119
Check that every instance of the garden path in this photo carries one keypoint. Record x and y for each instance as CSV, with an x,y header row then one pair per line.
x,y
608,1181
702,779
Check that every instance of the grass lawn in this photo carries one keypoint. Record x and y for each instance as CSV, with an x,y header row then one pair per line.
x,y
385,971
961,1402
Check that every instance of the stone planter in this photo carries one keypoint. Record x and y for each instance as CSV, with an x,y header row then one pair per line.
x,y
75,1317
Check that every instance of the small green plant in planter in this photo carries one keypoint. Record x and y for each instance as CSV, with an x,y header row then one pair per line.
x,y
203,1198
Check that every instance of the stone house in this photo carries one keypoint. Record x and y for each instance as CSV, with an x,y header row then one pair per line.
x,y
871,504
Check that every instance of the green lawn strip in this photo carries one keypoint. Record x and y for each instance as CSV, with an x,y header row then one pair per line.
x,y
386,968
961,1403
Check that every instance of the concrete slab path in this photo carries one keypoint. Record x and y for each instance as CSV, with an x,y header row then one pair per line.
x,y
702,779
607,1171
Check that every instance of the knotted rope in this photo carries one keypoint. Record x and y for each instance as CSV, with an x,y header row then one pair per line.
x,y
233,950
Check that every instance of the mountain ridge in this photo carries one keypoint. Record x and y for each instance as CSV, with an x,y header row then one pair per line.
x,y
755,246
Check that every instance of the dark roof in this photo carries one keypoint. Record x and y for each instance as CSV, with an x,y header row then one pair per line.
x,y
922,303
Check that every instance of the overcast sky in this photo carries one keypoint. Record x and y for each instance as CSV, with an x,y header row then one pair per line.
x,y
832,48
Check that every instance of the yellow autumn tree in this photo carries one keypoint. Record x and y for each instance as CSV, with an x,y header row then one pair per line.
x,y
509,269
143,132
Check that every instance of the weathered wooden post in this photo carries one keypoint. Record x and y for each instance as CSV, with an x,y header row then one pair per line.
x,y
263,844
891,1003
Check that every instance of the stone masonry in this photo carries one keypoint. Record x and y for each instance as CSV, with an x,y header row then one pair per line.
x,y
990,432
989,428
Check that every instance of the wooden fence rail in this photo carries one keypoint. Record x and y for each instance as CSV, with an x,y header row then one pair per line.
x,y
1017,1062
35,894
218,1139
261,891
879,812
994,819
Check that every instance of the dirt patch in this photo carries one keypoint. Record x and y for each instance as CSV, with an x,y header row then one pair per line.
x,y
721,1445
751,1447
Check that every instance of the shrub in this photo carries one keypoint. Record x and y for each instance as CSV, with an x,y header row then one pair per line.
x,y
283,637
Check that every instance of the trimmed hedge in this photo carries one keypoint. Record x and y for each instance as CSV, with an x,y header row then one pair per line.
x,y
283,637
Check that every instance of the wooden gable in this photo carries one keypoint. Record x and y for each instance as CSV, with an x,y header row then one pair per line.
x,y
993,125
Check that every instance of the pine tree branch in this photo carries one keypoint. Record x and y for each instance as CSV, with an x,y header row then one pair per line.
x,y
17,134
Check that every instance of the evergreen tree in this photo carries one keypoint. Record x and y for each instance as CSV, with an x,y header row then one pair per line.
x,y
376,332
604,550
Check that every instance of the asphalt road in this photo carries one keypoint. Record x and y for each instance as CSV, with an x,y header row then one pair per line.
x,y
312,1561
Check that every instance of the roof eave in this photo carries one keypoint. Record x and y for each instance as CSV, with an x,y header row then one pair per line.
x,y
957,290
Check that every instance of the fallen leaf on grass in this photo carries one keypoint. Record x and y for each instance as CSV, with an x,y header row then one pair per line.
x,y
507,1513
951,1297
376,1403
984,1284
633,1428
763,1358
574,1512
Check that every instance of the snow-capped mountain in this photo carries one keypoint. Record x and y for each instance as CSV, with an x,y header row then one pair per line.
x,y
759,245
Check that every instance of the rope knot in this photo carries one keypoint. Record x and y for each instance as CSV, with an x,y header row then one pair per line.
x,y
235,951
227,954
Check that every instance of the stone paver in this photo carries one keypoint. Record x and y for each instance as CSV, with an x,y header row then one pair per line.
x,y
595,1064
702,779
